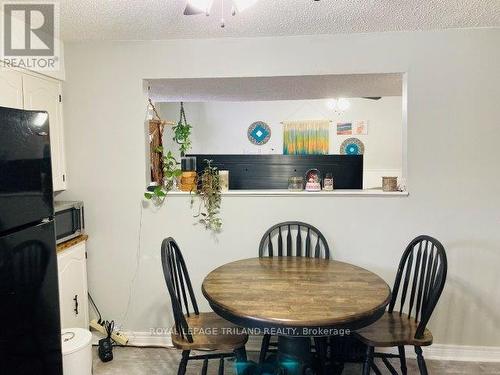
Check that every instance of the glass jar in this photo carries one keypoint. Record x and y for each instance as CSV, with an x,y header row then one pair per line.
x,y
328,182
224,180
389,184
295,183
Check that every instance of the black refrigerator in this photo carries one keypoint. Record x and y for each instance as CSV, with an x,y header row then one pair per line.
x,y
30,332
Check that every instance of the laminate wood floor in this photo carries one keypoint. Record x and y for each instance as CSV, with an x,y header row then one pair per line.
x,y
138,361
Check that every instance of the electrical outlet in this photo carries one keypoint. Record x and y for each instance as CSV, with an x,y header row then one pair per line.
x,y
118,337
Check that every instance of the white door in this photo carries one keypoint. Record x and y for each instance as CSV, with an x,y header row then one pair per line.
x,y
11,89
73,297
44,95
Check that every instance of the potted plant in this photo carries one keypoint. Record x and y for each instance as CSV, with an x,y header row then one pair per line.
x,y
171,172
182,133
209,195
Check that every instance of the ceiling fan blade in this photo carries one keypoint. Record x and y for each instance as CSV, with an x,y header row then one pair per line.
x,y
372,97
191,11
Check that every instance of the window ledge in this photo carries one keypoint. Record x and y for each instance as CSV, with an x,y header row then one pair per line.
x,y
286,193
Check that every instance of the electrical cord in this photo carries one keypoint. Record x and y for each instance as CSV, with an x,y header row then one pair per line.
x,y
96,309
137,266
109,327
131,284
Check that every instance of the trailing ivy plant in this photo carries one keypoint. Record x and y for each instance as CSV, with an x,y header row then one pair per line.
x,y
209,194
171,172
182,133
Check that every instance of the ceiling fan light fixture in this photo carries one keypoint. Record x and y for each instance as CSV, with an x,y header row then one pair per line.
x,y
198,7
343,104
331,104
338,105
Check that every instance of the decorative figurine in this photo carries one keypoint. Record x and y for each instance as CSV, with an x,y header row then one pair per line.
x,y
313,180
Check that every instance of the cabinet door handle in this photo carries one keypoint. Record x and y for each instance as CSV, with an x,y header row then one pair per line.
x,y
76,304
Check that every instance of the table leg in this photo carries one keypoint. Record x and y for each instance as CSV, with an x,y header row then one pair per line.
x,y
294,355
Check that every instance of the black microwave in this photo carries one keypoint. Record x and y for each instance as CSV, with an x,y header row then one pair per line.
x,y
69,220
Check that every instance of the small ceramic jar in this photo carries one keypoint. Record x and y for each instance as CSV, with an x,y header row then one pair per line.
x,y
328,182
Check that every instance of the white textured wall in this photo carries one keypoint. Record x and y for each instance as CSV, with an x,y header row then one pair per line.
x,y
453,155
221,128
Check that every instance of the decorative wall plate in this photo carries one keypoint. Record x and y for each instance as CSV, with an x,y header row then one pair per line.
x,y
259,133
352,146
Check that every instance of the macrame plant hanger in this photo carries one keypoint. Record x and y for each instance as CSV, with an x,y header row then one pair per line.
x,y
156,128
181,124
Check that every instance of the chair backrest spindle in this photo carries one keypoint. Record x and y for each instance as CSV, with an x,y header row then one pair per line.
x,y
298,242
289,242
308,243
280,243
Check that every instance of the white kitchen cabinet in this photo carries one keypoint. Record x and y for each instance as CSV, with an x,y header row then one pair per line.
x,y
45,95
11,89
73,292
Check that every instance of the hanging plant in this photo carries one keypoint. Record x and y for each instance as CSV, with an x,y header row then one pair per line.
x,y
182,133
171,172
209,194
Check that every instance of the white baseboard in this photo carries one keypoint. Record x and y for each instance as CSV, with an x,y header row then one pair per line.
x,y
460,353
148,339
434,352
140,339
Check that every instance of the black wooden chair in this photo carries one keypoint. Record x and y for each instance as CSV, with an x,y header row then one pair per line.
x,y
292,238
195,330
422,275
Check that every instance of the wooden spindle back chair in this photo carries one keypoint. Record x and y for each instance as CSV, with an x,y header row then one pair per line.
x,y
294,238
191,327
420,280
288,239
421,276
177,279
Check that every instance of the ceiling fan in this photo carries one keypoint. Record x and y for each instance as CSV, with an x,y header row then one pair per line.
x,y
194,7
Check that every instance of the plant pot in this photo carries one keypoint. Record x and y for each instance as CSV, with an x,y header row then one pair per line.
x,y
188,181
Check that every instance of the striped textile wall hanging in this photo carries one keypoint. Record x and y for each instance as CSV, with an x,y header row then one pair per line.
x,y
308,137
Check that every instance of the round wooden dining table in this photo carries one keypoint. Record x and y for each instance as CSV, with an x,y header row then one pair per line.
x,y
296,298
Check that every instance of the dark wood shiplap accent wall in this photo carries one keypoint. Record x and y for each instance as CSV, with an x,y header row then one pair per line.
x,y
258,172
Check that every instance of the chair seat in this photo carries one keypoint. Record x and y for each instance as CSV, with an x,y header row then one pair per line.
x,y
210,332
392,330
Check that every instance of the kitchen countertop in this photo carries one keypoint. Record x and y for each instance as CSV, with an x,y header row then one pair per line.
x,y
75,241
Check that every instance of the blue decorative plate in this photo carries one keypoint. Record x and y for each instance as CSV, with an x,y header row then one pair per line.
x,y
352,146
259,133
